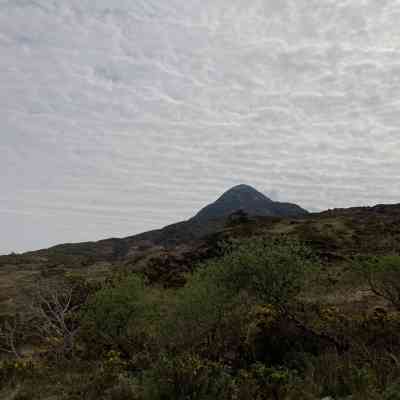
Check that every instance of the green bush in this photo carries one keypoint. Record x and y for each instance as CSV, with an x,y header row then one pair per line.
x,y
186,377
392,392
270,270
204,318
264,383
382,274
120,316
212,313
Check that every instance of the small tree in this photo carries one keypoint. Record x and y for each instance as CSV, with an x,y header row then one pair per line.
x,y
53,309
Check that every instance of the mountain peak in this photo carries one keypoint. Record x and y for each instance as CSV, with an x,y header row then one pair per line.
x,y
242,187
251,201
243,194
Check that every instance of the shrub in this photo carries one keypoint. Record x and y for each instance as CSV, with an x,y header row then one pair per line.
x,y
53,307
11,370
112,308
212,313
119,316
271,270
12,334
264,383
392,392
186,377
382,274
205,319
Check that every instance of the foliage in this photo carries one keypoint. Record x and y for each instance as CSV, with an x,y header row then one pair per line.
x,y
213,311
271,270
243,327
261,382
13,370
120,315
186,377
204,317
382,274
392,392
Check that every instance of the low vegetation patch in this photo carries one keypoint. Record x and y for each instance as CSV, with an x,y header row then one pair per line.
x,y
242,327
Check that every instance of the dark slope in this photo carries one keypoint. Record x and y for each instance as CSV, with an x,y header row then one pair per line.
x,y
249,200
209,220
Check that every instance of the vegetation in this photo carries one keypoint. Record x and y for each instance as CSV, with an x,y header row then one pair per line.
x,y
382,274
245,325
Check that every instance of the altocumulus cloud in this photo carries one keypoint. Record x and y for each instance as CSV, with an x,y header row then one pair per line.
x,y
117,117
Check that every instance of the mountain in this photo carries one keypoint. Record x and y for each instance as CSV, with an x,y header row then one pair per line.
x,y
208,221
213,217
251,202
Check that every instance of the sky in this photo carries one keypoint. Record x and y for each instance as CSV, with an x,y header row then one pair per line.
x,y
121,116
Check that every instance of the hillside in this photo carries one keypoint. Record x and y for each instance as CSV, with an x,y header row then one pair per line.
x,y
165,255
284,312
209,220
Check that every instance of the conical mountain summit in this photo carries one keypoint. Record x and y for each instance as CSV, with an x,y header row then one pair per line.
x,y
250,201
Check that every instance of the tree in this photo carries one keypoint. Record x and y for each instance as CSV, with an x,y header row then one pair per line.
x,y
52,310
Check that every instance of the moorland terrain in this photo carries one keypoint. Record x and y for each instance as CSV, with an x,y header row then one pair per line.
x,y
249,299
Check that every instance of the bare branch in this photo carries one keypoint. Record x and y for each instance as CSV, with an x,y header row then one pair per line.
x,y
52,307
11,332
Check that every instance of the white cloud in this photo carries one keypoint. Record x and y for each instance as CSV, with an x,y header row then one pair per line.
x,y
117,118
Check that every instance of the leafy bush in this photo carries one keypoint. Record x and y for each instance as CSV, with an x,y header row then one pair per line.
x,y
392,392
382,274
186,377
263,383
119,316
271,270
214,311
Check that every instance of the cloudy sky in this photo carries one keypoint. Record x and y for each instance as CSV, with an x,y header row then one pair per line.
x,y
121,116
